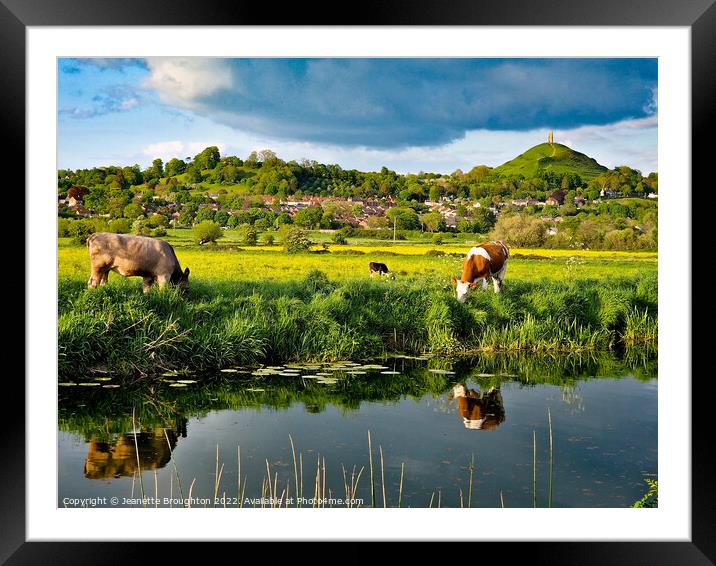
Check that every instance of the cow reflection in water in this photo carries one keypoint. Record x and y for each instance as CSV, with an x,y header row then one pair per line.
x,y
119,458
479,411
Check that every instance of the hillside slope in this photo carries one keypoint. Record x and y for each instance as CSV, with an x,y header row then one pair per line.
x,y
553,157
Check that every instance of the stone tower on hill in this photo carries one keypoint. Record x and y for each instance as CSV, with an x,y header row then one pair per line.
x,y
550,137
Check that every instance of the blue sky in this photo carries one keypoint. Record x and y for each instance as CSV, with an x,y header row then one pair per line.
x,y
410,115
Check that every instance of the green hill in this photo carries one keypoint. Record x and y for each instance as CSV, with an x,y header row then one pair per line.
x,y
553,157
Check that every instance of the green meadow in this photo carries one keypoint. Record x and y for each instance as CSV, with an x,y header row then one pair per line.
x,y
248,306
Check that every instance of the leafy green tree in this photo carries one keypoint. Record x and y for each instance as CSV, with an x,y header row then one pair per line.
x,y
268,239
283,219
80,230
403,218
193,174
248,235
133,210
309,217
141,227
174,167
208,158
341,236
120,226
158,220
186,219
207,231
433,221
295,239
205,213
520,230
63,227
221,218
483,220
157,169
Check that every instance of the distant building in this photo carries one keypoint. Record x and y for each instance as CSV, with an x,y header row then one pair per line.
x,y
73,202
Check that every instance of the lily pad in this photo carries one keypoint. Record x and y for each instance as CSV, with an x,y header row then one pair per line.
x,y
390,372
89,384
110,386
66,384
178,385
186,380
442,371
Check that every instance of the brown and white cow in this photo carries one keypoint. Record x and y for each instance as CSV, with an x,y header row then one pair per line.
x,y
140,256
486,261
479,411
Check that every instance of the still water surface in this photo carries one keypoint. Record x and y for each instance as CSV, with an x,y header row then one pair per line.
x,y
432,418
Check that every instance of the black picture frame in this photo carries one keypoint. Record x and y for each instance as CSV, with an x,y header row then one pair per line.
x,y
699,15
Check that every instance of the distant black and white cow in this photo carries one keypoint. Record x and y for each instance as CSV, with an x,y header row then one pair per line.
x,y
484,262
379,268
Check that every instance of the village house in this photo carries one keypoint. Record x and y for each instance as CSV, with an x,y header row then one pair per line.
x,y
73,202
608,193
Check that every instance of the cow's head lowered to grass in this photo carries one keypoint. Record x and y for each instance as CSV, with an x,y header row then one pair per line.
x,y
483,262
462,288
181,280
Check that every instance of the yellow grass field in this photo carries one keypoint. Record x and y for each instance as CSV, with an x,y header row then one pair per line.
x,y
404,259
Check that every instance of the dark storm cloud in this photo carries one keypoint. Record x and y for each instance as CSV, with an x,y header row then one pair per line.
x,y
406,102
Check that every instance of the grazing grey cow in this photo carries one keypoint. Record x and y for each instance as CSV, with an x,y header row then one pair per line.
x,y
140,256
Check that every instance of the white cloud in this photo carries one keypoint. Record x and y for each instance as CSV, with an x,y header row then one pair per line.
x,y
183,81
166,150
162,149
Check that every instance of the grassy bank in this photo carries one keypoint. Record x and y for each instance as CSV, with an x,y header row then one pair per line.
x,y
230,322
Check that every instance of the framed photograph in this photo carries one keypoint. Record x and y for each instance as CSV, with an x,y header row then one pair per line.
x,y
384,281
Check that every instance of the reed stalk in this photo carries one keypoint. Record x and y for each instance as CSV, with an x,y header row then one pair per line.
x,y
191,488
174,464
534,469
139,467
295,468
382,476
469,489
551,456
372,484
